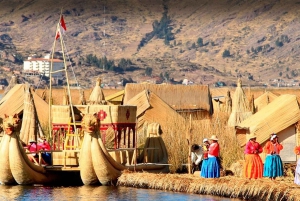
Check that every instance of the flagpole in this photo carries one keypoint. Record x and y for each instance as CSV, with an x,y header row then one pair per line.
x,y
50,82
67,77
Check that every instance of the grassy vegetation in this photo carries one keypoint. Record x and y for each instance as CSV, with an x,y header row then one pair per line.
x,y
233,187
176,134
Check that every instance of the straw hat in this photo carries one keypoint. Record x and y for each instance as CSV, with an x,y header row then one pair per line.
x,y
251,136
205,140
214,137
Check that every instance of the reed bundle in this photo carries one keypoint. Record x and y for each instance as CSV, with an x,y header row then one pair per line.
x,y
240,106
97,96
232,187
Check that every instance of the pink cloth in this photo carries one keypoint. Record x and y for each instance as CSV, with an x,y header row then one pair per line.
x,y
251,147
44,146
214,149
32,147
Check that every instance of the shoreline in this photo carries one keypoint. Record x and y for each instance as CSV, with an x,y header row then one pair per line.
x,y
263,189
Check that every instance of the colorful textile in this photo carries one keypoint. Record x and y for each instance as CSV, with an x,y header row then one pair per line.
x,y
273,166
252,147
297,173
210,168
214,149
253,166
270,147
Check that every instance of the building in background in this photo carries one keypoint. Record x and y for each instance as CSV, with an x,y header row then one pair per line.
x,y
41,66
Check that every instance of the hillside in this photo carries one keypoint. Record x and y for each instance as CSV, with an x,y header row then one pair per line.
x,y
212,40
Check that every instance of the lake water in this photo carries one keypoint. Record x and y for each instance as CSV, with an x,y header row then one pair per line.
x,y
96,193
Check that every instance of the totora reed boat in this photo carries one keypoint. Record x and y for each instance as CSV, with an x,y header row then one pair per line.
x,y
91,144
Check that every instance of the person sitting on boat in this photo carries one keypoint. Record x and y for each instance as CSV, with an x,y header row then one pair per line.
x,y
205,148
196,157
33,148
273,164
253,168
211,166
297,171
45,146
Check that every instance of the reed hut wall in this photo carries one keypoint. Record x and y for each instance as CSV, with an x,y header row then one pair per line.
x,y
179,97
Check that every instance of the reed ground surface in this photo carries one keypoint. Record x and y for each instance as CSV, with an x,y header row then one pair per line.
x,y
264,189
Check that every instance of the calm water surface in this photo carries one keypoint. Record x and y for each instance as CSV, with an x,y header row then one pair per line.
x,y
96,193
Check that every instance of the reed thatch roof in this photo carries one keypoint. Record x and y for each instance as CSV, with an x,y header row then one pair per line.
x,y
281,113
13,103
240,106
115,97
179,97
264,100
151,108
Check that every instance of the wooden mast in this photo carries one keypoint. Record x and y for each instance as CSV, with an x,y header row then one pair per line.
x,y
58,32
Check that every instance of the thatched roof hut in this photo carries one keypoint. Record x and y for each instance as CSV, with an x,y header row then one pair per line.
x,y
151,108
240,106
13,103
185,99
280,117
264,100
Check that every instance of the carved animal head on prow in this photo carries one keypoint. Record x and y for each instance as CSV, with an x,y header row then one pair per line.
x,y
90,123
11,123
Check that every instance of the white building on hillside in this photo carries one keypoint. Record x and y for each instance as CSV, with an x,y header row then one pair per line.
x,y
37,66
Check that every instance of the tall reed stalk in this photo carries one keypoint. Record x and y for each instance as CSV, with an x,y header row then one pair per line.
x,y
176,133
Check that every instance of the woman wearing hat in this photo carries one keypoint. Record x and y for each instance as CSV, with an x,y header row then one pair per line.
x,y
273,164
211,166
253,164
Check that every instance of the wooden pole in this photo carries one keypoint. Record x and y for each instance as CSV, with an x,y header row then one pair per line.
x,y
50,82
189,144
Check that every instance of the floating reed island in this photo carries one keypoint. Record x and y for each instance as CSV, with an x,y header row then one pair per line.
x,y
229,186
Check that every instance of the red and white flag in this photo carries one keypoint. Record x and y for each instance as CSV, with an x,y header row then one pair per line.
x,y
62,23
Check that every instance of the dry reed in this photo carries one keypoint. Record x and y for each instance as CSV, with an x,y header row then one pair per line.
x,y
176,133
233,187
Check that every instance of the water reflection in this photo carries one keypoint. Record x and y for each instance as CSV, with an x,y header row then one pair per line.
x,y
96,193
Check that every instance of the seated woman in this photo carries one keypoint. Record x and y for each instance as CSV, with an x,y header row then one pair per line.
x,y
45,146
211,166
33,147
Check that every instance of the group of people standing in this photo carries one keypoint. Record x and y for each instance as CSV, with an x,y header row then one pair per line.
x,y
254,167
206,157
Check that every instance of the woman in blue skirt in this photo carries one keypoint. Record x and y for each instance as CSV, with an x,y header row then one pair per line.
x,y
273,166
211,165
